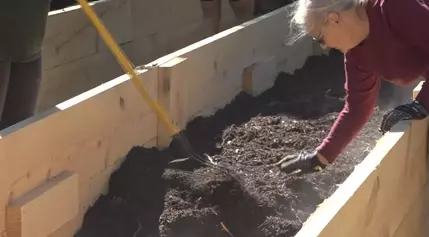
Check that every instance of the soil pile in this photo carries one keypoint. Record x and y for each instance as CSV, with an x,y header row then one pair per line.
x,y
150,198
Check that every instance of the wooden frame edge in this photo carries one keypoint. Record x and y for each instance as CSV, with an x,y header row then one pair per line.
x,y
183,51
69,103
331,206
75,8
417,89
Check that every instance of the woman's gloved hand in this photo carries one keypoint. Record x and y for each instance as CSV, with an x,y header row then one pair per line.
x,y
307,162
411,111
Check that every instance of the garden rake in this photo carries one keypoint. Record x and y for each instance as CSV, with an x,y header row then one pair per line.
x,y
129,69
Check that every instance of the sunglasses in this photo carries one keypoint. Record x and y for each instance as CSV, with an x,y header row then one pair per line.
x,y
319,39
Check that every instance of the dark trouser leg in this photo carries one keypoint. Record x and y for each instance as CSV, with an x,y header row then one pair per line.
x,y
22,92
4,82
243,9
212,13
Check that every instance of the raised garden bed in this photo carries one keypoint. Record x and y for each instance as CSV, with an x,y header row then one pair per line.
x,y
73,148
148,197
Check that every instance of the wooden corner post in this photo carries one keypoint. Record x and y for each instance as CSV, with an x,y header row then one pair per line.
x,y
165,77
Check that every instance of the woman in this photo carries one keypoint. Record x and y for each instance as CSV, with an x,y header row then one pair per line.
x,y
379,38
22,28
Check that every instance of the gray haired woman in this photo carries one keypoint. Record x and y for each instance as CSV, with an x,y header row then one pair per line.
x,y
386,39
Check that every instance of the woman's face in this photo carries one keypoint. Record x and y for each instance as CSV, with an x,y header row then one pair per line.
x,y
342,31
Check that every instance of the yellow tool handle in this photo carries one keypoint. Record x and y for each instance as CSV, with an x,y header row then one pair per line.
x,y
126,65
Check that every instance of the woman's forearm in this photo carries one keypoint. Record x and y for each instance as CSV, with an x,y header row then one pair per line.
x,y
362,89
347,125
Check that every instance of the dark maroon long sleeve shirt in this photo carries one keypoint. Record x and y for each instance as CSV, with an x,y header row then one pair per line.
x,y
397,49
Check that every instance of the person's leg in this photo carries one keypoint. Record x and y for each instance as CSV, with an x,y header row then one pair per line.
x,y
4,82
212,14
22,93
243,9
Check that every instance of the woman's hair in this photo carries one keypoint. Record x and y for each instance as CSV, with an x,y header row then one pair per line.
x,y
319,9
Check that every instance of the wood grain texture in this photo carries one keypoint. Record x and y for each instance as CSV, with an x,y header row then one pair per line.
x,y
379,197
45,208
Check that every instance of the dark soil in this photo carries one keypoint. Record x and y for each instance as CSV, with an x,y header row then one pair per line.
x,y
150,198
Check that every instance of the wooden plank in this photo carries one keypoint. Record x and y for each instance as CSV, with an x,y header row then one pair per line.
x,y
212,73
377,195
76,129
402,176
165,76
45,208
66,81
86,135
413,224
417,89
260,76
247,79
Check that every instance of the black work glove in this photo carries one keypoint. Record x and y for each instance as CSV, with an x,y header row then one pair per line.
x,y
304,161
412,111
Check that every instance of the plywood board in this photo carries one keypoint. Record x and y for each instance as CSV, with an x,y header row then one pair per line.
x,y
45,208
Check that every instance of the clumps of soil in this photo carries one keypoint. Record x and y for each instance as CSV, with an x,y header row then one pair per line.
x,y
148,197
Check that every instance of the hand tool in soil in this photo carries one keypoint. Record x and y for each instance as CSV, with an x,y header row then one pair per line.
x,y
129,68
